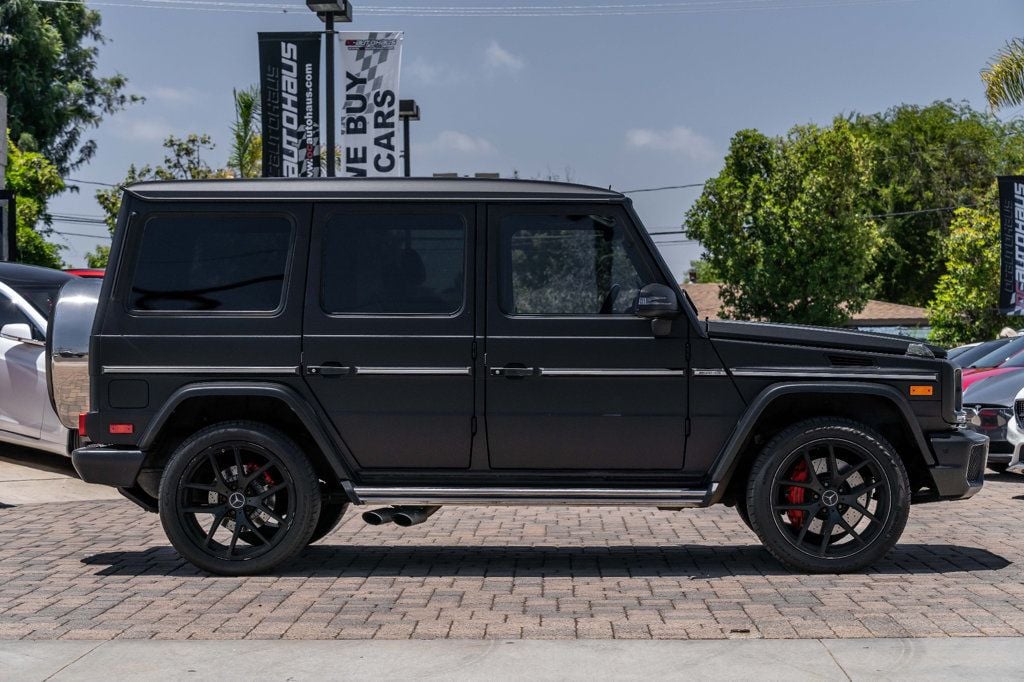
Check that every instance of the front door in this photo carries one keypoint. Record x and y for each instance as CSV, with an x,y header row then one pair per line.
x,y
22,377
574,379
388,331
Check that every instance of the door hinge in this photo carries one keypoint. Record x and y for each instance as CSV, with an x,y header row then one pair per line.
x,y
472,425
687,427
687,350
473,352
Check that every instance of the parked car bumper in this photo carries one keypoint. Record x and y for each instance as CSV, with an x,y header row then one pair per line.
x,y
108,465
962,456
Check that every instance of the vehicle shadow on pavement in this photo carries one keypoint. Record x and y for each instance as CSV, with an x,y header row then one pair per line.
x,y
693,561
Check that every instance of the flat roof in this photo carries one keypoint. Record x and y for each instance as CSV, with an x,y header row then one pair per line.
x,y
226,188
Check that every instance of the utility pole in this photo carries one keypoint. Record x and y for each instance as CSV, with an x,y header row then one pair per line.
x,y
408,110
3,140
328,11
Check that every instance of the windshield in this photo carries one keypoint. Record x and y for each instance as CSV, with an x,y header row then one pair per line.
x,y
1000,355
40,297
968,356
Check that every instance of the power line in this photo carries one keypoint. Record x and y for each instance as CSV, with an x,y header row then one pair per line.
x,y
89,182
81,234
660,189
706,7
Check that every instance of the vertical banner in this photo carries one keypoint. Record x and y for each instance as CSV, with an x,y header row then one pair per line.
x,y
371,142
1011,222
290,104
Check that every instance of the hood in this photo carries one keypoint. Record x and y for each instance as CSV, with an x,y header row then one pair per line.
x,y
827,337
998,389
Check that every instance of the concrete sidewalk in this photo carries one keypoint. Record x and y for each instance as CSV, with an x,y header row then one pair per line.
x,y
33,477
864,659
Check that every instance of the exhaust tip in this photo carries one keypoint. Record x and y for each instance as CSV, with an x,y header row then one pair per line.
x,y
411,516
379,517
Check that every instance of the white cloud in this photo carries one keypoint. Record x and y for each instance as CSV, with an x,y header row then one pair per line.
x,y
171,95
680,140
497,58
423,72
455,142
144,130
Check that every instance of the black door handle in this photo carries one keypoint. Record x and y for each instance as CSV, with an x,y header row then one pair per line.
x,y
515,372
330,370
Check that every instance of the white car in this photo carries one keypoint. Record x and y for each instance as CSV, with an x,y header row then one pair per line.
x,y
26,416
1015,434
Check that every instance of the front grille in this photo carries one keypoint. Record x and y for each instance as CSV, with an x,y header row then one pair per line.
x,y
976,465
1000,447
1018,409
850,361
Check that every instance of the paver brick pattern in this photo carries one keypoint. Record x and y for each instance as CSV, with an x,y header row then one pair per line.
x,y
104,570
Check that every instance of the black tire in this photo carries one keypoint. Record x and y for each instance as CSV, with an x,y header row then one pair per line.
x,y
822,476
741,509
330,517
239,498
999,468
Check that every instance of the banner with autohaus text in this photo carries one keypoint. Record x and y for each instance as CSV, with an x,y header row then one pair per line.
x,y
371,139
1011,219
290,104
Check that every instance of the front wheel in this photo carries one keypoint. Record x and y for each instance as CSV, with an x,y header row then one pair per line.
x,y
239,498
828,496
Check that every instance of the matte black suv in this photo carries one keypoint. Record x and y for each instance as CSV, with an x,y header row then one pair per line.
x,y
265,353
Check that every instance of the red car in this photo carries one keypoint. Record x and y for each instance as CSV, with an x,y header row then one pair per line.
x,y
87,272
1004,359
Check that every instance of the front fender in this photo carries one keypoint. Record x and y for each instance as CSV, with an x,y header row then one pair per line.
x,y
729,458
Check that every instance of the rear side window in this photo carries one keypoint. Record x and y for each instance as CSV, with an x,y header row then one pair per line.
x,y
212,262
394,264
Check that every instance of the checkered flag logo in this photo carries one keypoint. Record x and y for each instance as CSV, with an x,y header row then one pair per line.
x,y
371,61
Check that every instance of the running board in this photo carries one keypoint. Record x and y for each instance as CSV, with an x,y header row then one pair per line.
x,y
645,497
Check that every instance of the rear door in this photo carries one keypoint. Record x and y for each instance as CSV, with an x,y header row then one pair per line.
x,y
388,334
574,379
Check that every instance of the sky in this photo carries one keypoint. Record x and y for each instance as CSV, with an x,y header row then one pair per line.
x,y
644,99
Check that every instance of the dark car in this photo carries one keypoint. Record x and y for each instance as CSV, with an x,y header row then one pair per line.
x,y
965,356
268,352
989,406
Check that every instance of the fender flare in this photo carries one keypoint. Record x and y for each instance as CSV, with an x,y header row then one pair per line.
x,y
309,418
728,459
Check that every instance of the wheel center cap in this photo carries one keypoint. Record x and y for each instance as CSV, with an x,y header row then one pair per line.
x,y
236,500
830,498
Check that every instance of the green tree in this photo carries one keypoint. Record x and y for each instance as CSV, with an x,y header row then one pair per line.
x,y
780,225
246,156
48,71
1004,76
926,158
33,179
965,305
183,160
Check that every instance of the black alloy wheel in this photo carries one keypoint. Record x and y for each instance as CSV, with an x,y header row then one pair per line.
x,y
239,498
828,495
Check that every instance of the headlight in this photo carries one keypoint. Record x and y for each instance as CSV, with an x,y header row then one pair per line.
x,y
991,421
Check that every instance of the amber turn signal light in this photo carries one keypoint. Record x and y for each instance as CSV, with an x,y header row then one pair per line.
x,y
922,390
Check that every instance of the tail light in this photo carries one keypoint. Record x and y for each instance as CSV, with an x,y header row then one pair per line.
x,y
81,425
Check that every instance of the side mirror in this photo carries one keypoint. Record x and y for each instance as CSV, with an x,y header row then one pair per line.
x,y
659,304
19,331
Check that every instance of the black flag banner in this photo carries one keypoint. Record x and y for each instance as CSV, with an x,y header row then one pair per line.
x,y
290,104
1011,221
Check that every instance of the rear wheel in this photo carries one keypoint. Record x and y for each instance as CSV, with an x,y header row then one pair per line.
x,y
330,517
239,498
828,496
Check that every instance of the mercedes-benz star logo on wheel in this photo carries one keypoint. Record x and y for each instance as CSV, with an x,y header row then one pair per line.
x,y
830,498
236,500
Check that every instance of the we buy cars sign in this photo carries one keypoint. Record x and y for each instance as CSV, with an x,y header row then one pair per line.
x,y
371,143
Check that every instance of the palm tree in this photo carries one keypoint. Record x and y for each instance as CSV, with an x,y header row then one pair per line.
x,y
246,145
1004,76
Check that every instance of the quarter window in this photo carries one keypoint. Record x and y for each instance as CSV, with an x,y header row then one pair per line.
x,y
394,264
569,265
211,262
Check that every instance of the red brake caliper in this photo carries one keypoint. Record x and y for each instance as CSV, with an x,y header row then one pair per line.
x,y
796,494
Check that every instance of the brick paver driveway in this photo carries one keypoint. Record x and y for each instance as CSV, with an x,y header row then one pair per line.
x,y
103,570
